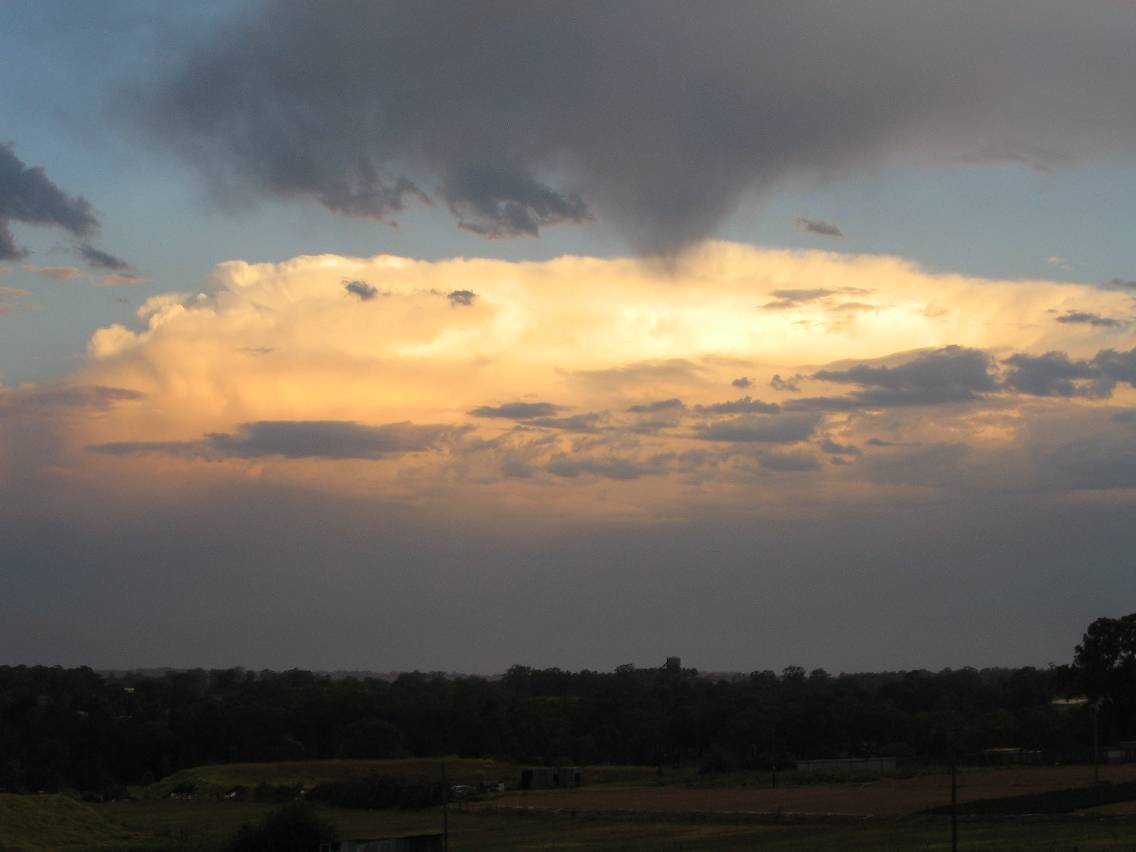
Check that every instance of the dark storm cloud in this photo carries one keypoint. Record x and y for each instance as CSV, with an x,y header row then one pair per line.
x,y
361,289
517,410
745,405
749,428
660,116
1085,318
27,195
461,298
949,375
101,259
326,439
496,201
814,226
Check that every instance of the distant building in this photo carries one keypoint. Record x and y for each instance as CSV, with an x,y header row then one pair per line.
x,y
410,843
1123,753
848,764
549,777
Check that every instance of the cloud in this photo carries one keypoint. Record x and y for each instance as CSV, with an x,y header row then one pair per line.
x,y
100,259
1118,366
9,299
822,297
673,404
50,399
299,439
745,405
461,298
118,279
742,382
1086,318
1056,374
789,461
1098,463
952,374
589,422
814,226
361,289
1119,284
28,196
830,446
56,273
517,410
608,467
784,429
790,385
498,201
495,109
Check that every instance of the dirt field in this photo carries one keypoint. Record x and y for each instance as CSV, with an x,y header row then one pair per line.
x,y
883,798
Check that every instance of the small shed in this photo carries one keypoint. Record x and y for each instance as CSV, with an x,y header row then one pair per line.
x,y
549,777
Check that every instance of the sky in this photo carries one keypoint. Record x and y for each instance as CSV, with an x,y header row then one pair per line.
x,y
455,336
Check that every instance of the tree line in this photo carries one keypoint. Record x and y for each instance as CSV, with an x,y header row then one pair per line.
x,y
77,728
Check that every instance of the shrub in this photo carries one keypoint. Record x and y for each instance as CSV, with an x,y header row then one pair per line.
x,y
296,827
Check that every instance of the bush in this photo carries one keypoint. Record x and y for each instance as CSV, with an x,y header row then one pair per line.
x,y
294,828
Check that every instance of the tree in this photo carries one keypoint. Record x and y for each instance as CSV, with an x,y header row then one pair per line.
x,y
1106,664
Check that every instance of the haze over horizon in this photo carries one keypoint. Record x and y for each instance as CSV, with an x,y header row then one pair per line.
x,y
448,337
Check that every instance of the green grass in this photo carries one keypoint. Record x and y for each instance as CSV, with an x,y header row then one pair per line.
x,y
35,822
198,826
157,822
1050,802
38,823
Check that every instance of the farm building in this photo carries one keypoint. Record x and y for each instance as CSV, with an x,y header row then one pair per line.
x,y
1123,753
547,777
848,764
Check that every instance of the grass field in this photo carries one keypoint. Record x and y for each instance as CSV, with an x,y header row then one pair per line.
x,y
626,809
885,797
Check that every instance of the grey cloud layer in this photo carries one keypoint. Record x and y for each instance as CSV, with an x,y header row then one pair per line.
x,y
659,116
327,439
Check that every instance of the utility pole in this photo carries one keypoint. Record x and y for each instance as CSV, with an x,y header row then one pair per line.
x,y
954,804
773,757
1096,741
445,811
